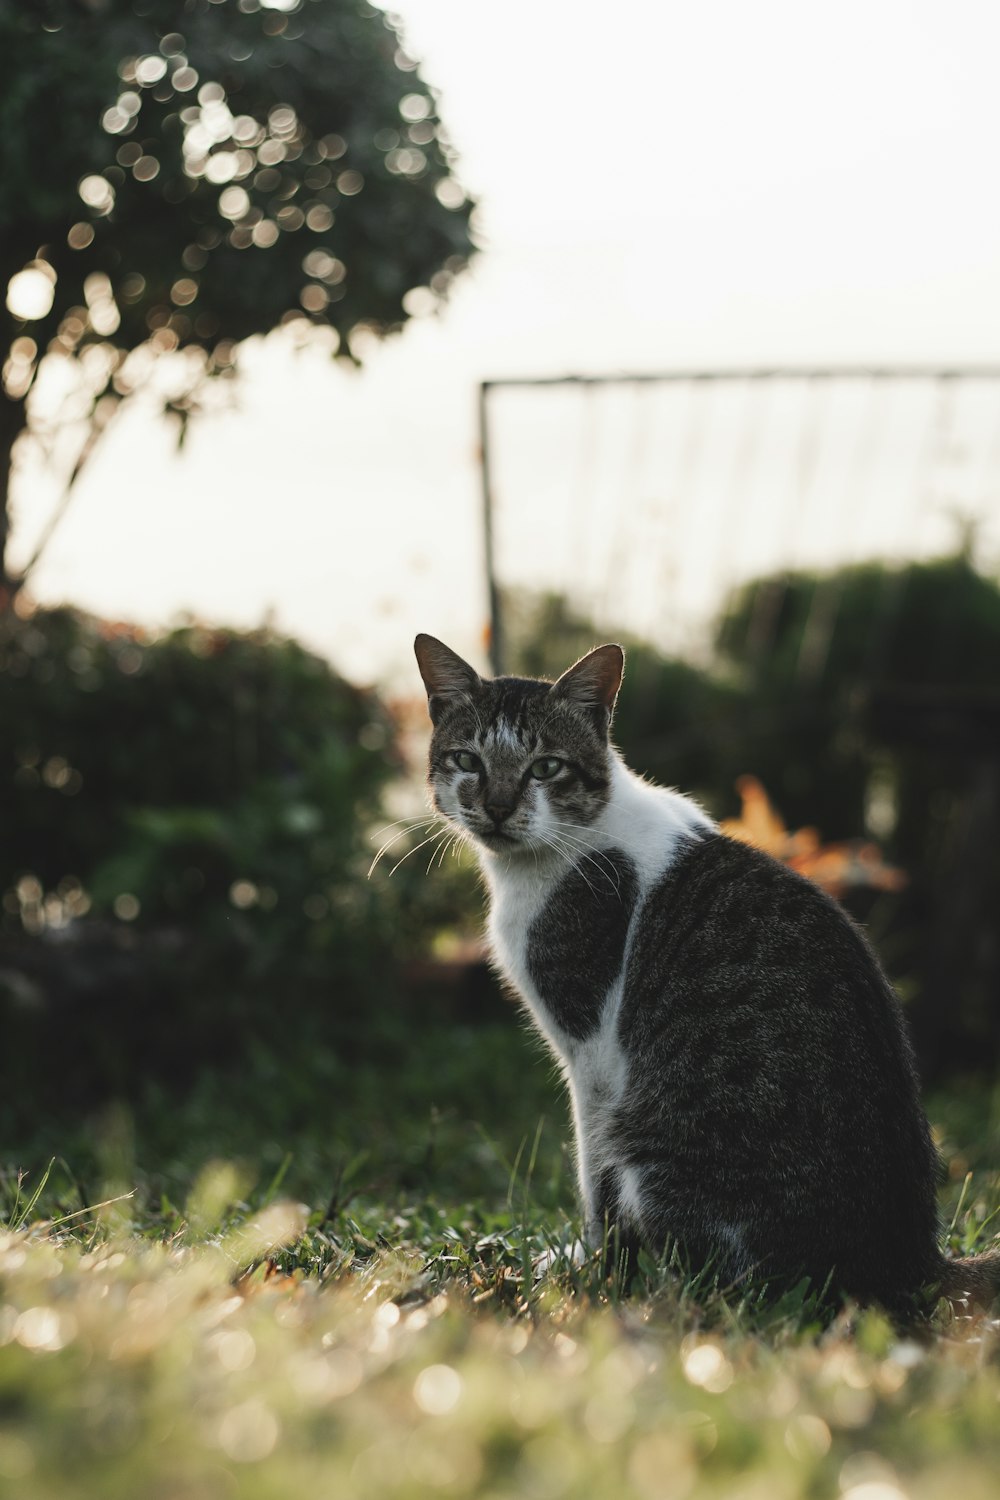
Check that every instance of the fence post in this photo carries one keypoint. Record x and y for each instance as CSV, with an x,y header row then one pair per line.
x,y
493,594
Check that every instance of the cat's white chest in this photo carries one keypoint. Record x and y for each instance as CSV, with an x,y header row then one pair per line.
x,y
516,903
595,1066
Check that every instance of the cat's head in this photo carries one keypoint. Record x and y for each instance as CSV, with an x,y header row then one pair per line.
x,y
520,764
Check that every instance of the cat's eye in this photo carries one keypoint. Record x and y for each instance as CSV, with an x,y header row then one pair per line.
x,y
545,768
466,761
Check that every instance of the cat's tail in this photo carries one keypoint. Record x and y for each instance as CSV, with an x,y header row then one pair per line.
x,y
972,1278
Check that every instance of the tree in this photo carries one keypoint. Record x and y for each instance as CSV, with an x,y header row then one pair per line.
x,y
175,177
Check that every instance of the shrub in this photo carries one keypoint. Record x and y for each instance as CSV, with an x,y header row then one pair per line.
x,y
184,821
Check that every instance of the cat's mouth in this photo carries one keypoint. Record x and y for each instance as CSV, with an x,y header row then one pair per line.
x,y
497,838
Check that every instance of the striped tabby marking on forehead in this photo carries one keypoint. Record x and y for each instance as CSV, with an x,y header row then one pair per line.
x,y
518,715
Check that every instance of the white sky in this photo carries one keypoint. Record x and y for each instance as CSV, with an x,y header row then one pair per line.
x,y
662,184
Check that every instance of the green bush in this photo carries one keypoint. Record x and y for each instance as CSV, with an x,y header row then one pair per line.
x,y
185,847
876,710
208,781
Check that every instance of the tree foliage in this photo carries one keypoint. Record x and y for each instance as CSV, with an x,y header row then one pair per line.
x,y
175,178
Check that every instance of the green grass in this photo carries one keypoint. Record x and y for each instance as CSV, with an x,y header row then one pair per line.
x,y
315,1277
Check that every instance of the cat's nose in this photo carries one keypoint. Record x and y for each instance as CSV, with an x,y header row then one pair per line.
x,y
499,811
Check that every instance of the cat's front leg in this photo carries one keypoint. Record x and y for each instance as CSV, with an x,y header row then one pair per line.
x,y
592,1202
605,1192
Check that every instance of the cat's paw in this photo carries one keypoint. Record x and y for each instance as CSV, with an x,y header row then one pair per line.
x,y
559,1258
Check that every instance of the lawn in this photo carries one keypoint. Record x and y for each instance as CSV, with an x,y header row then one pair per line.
x,y
314,1276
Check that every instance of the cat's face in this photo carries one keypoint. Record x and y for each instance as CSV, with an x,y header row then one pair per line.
x,y
521,765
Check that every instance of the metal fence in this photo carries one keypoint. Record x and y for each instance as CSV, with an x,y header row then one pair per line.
x,y
645,498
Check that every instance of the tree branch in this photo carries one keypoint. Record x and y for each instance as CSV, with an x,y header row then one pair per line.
x,y
96,427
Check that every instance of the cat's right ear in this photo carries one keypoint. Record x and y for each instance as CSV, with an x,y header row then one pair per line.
x,y
447,677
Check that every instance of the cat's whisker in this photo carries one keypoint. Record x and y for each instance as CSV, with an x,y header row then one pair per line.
x,y
592,855
442,840
599,859
406,826
568,854
400,833
388,845
584,829
579,828
557,841
414,828
452,845
409,821
431,837
578,862
595,850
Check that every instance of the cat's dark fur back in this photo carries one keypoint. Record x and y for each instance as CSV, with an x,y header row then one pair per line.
x,y
772,1088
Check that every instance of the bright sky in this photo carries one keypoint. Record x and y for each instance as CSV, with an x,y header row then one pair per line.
x,y
662,184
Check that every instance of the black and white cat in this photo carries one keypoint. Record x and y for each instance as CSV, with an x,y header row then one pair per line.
x,y
740,1077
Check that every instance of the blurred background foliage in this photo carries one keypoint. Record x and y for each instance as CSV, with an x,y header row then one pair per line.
x,y
186,842
217,169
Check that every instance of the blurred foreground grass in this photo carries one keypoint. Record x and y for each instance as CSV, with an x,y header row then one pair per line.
x,y
317,1280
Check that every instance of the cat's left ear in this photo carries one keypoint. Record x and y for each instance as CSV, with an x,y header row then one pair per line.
x,y
446,676
594,680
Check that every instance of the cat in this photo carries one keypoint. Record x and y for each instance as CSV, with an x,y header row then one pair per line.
x,y
741,1082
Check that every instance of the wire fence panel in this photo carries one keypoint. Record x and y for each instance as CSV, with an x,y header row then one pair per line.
x,y
645,500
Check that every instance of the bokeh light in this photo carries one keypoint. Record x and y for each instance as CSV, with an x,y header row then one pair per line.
x,y
31,292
